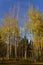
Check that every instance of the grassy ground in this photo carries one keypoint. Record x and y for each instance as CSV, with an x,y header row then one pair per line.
x,y
18,62
14,62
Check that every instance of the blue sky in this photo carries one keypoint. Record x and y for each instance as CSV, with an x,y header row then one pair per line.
x,y
24,4
6,4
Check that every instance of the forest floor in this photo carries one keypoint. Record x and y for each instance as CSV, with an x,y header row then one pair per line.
x,y
18,62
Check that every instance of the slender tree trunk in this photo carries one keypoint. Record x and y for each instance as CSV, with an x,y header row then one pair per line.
x,y
9,46
22,52
7,51
25,51
25,54
15,48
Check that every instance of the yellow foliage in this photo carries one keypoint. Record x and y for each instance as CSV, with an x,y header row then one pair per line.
x,y
35,25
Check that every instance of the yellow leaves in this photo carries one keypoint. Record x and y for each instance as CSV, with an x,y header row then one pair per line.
x,y
1,36
35,25
6,29
16,31
26,26
33,21
37,14
30,11
10,20
10,25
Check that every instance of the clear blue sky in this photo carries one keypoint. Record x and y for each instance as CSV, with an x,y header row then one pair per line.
x,y
6,4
